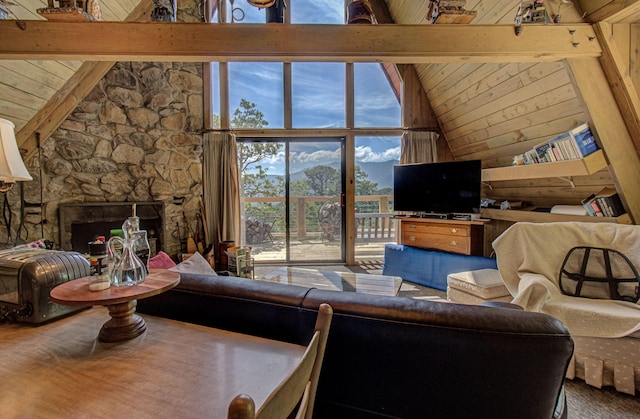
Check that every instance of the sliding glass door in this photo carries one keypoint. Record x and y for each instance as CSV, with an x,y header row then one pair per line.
x,y
293,198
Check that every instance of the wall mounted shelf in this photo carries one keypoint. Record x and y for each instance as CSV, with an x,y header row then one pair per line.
x,y
547,217
591,164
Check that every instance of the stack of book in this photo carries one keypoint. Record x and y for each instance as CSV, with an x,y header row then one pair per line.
x,y
574,144
605,203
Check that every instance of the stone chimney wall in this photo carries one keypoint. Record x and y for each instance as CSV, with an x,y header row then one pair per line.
x,y
135,137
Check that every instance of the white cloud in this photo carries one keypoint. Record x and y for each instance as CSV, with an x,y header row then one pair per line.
x,y
366,154
322,156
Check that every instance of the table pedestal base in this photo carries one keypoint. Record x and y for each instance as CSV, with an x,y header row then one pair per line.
x,y
124,323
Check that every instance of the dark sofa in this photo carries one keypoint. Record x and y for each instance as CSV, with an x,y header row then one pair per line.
x,y
394,357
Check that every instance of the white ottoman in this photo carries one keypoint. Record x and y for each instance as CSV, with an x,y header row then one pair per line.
x,y
477,287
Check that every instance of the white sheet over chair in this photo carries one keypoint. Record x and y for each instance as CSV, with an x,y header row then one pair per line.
x,y
530,256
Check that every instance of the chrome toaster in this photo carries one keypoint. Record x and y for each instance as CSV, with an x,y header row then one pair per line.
x,y
27,276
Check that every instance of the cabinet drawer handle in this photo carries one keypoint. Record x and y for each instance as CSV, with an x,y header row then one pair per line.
x,y
412,227
412,238
454,230
453,243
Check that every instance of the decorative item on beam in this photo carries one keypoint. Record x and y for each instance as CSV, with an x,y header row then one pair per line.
x,y
530,12
449,12
360,11
12,167
262,4
274,9
164,11
5,11
71,10
558,16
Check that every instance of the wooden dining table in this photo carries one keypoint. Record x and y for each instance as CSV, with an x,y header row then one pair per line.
x,y
173,369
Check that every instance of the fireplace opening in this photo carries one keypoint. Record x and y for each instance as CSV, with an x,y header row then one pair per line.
x,y
83,222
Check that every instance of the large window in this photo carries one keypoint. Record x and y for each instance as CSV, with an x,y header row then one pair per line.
x,y
302,11
241,12
315,12
318,95
304,104
376,104
258,85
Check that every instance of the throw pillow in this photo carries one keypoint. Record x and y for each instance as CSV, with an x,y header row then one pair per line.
x,y
595,272
161,261
196,264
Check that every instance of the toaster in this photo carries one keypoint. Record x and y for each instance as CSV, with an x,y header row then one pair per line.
x,y
27,276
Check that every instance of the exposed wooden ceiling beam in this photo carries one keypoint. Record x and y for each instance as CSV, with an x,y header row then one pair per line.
x,y
381,11
608,122
201,42
616,69
612,11
56,110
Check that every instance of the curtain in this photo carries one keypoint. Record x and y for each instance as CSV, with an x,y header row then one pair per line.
x,y
419,147
221,188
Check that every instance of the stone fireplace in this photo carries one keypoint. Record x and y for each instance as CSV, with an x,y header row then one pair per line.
x,y
136,137
81,223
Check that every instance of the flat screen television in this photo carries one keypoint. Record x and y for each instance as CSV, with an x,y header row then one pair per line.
x,y
438,188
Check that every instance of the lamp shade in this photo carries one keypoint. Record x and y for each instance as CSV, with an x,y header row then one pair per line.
x,y
12,167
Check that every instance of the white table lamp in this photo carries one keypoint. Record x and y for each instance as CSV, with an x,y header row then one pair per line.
x,y
12,167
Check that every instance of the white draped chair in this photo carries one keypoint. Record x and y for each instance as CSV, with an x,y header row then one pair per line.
x,y
605,330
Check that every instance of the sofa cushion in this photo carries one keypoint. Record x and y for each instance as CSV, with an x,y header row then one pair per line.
x,y
196,264
484,283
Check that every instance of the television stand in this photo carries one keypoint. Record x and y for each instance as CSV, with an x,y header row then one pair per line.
x,y
453,236
435,215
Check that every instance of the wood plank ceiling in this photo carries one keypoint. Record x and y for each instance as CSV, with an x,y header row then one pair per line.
x,y
26,86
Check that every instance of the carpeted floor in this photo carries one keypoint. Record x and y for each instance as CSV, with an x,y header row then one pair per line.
x,y
583,401
586,402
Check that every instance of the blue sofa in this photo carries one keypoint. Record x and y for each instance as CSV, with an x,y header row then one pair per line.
x,y
429,267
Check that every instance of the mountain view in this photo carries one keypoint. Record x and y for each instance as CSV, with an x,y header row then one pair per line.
x,y
377,172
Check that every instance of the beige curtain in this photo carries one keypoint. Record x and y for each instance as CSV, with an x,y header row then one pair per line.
x,y
221,188
419,147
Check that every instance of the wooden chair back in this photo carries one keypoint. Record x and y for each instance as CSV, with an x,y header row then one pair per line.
x,y
297,389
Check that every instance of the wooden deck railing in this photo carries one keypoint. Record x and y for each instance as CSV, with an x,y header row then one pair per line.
x,y
375,227
370,227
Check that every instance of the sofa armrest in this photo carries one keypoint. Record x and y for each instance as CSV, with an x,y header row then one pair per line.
x,y
502,304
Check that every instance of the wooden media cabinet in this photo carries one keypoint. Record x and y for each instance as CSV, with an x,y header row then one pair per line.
x,y
453,236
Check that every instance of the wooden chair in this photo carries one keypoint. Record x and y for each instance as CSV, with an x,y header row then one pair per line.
x,y
299,388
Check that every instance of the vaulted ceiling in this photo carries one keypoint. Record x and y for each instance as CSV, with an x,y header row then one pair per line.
x,y
494,93
32,91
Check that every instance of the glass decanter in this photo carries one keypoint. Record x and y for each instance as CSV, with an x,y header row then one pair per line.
x,y
128,268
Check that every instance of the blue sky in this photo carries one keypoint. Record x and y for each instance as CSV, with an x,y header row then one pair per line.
x,y
318,90
368,149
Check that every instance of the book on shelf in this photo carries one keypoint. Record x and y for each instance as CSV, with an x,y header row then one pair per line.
x,y
530,157
606,203
583,138
565,145
586,203
542,151
570,145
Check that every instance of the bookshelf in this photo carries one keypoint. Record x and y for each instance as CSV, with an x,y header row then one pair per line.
x,y
546,217
591,164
